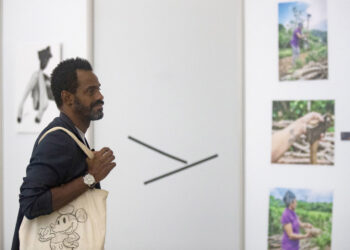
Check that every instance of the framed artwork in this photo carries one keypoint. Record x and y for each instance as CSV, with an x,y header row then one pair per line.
x,y
303,132
35,103
303,40
304,212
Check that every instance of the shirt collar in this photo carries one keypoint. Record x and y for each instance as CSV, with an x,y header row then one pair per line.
x,y
73,128
69,122
81,133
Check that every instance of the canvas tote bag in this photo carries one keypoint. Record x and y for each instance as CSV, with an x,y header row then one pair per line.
x,y
79,225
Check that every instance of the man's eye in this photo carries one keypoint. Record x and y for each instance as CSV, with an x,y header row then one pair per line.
x,y
92,91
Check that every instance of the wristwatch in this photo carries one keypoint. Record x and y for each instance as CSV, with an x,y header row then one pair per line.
x,y
89,180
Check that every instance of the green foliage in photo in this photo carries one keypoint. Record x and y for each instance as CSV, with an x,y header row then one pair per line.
x,y
292,110
319,214
298,64
315,44
317,55
287,52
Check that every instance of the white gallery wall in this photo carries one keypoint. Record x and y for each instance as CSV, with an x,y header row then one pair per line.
x,y
171,75
30,22
262,87
1,140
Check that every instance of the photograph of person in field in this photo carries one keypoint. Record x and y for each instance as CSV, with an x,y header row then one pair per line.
x,y
302,40
300,219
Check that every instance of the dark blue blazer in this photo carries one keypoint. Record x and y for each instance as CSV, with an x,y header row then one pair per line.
x,y
56,160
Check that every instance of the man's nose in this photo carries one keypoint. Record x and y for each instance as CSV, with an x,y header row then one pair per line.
x,y
100,96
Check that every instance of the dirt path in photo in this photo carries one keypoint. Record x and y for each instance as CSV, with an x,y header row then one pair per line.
x,y
286,64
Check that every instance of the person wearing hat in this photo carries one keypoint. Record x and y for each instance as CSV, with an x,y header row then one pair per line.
x,y
291,224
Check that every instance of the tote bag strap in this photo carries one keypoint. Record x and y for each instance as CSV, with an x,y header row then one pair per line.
x,y
85,149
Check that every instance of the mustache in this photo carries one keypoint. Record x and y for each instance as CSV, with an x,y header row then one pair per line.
x,y
97,103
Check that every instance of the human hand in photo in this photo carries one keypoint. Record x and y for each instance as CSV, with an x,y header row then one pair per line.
x,y
308,225
283,139
302,123
308,234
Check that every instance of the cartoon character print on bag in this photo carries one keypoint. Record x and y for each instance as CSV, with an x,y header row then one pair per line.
x,y
62,234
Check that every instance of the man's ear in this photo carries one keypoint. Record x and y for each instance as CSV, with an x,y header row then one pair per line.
x,y
67,97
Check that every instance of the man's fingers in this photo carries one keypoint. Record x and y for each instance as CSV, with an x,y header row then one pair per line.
x,y
105,160
110,166
110,158
103,151
107,154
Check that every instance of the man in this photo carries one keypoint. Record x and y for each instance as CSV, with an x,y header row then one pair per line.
x,y
59,171
297,35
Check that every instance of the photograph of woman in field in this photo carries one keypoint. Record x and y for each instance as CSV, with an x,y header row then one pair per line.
x,y
302,40
300,219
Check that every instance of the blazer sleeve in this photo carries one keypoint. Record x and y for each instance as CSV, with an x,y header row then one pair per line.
x,y
47,169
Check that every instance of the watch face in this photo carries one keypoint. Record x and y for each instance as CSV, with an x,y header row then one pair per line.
x,y
89,179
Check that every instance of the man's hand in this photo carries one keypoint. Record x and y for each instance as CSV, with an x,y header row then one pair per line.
x,y
101,164
99,167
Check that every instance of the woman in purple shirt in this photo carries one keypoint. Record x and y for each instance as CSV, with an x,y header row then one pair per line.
x,y
291,224
294,43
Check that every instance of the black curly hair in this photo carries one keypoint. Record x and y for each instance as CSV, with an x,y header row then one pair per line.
x,y
64,77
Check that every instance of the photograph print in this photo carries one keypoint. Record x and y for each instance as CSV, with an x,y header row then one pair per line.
x,y
34,99
303,132
300,219
303,40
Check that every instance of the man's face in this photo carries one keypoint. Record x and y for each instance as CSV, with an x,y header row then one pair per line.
x,y
88,100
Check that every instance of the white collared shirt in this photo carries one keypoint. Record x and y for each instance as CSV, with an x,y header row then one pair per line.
x,y
82,135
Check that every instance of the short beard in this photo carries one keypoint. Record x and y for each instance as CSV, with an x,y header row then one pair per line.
x,y
88,112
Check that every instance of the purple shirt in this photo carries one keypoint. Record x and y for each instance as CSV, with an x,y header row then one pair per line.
x,y
295,39
289,216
